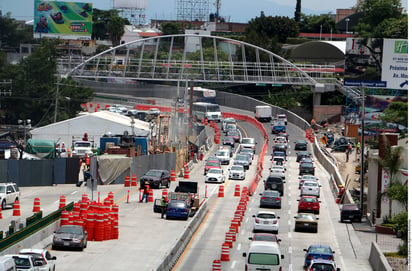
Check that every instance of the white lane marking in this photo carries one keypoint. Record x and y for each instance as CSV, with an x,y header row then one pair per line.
x,y
289,235
289,211
74,192
290,250
242,232
290,267
239,246
232,266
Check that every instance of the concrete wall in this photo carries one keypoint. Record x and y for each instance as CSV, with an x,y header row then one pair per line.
x,y
377,259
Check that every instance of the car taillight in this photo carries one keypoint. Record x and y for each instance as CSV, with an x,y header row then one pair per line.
x,y
277,198
245,267
263,197
275,221
330,258
310,257
256,220
283,172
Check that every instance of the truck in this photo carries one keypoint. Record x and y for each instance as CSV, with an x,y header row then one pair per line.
x,y
81,148
263,113
186,191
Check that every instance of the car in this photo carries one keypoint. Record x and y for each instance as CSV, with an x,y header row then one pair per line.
x,y
324,265
301,154
318,251
274,182
248,154
263,255
228,148
211,164
70,236
43,255
306,160
266,221
311,188
249,151
278,127
9,193
25,262
154,111
156,178
243,160
282,117
280,148
280,140
235,134
230,127
306,168
301,145
350,212
279,160
177,209
248,142
309,204
306,221
224,156
237,172
284,134
304,178
226,121
266,237
215,175
227,140
270,198
278,170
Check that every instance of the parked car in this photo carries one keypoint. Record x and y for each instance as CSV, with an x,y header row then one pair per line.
x,y
267,237
42,255
350,212
301,154
215,175
266,221
9,193
248,142
25,262
211,164
156,178
270,198
306,222
311,188
237,172
306,168
301,145
318,252
320,264
243,160
70,236
308,204
304,178
274,182
235,134
224,156
177,209
227,140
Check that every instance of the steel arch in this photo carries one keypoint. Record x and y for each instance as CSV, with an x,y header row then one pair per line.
x,y
201,58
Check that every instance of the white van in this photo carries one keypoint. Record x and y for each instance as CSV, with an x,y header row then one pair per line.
x,y
7,264
263,255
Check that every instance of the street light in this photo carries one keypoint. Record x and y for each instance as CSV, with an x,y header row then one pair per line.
x,y
26,124
320,36
347,22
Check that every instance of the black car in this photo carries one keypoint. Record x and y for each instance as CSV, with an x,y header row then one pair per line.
x,y
156,178
301,145
270,198
280,147
306,168
274,182
301,154
350,212
227,140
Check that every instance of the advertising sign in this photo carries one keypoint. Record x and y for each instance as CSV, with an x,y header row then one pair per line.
x,y
395,63
64,20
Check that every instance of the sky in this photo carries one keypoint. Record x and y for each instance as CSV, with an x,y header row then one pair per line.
x,y
240,11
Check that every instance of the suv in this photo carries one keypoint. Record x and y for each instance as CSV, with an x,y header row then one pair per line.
x,y
274,182
156,178
248,142
9,193
306,168
224,156
25,262
350,212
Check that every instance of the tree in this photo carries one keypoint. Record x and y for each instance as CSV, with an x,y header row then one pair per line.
x,y
170,28
298,10
312,23
107,24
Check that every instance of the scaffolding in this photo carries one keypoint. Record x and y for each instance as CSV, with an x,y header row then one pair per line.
x,y
136,16
193,10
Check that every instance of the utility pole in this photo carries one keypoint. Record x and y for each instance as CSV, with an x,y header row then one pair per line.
x,y
56,103
362,149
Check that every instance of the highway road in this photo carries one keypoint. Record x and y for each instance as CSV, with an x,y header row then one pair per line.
x,y
144,239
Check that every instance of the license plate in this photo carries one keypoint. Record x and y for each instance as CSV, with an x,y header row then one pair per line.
x,y
66,244
306,224
351,216
265,222
309,208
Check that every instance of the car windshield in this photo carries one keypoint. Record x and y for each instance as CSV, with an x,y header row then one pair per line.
x,y
212,164
309,200
177,204
306,165
221,153
23,263
74,230
263,259
154,173
320,250
248,141
267,216
216,171
232,133
242,158
271,194
226,138
265,237
213,108
237,168
309,184
306,216
322,267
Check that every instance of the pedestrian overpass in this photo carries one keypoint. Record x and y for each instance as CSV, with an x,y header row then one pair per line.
x,y
206,59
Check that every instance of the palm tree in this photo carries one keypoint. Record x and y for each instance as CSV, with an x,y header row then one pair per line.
x,y
391,162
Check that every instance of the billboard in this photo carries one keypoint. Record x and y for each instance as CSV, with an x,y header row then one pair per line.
x,y
395,63
64,20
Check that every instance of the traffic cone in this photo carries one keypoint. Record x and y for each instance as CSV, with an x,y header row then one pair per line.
x,y
221,191
62,201
225,255
186,176
172,176
237,190
36,205
16,208
217,266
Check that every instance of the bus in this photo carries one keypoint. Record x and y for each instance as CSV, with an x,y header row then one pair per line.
x,y
203,95
206,111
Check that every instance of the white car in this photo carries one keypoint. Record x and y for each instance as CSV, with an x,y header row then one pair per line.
x,y
248,142
266,221
224,156
310,188
25,262
237,172
304,178
42,255
282,117
278,170
215,175
279,160
281,140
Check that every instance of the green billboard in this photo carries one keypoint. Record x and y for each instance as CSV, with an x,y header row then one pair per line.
x,y
64,20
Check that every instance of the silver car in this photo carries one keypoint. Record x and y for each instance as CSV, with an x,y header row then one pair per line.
x,y
70,236
310,188
243,160
237,172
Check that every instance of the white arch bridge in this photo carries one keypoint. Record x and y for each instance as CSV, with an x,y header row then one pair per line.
x,y
203,58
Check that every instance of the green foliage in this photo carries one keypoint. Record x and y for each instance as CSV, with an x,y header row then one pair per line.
x,y
288,97
312,23
107,24
399,192
401,228
396,112
170,28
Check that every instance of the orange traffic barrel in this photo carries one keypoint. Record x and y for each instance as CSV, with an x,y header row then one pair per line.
x,y
172,176
115,232
62,201
1,213
217,266
64,219
225,255
233,231
186,176
150,198
16,208
76,207
237,190
99,227
134,180
127,181
36,205
234,225
164,192
228,239
89,226
221,191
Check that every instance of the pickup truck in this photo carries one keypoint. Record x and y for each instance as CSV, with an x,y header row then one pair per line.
x,y
186,191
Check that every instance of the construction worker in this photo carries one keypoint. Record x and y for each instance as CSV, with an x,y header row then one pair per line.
x,y
146,189
313,124
358,147
163,205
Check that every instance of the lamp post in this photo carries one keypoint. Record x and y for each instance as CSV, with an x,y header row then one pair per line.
x,y
25,124
347,23
320,36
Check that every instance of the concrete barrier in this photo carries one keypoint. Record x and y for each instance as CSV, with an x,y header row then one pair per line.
x,y
377,260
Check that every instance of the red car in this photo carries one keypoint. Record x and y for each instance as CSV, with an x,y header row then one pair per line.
x,y
211,164
309,204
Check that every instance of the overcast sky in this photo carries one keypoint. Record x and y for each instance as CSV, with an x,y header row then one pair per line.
x,y
232,10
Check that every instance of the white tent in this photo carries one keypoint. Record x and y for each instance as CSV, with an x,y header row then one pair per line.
x,y
94,124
